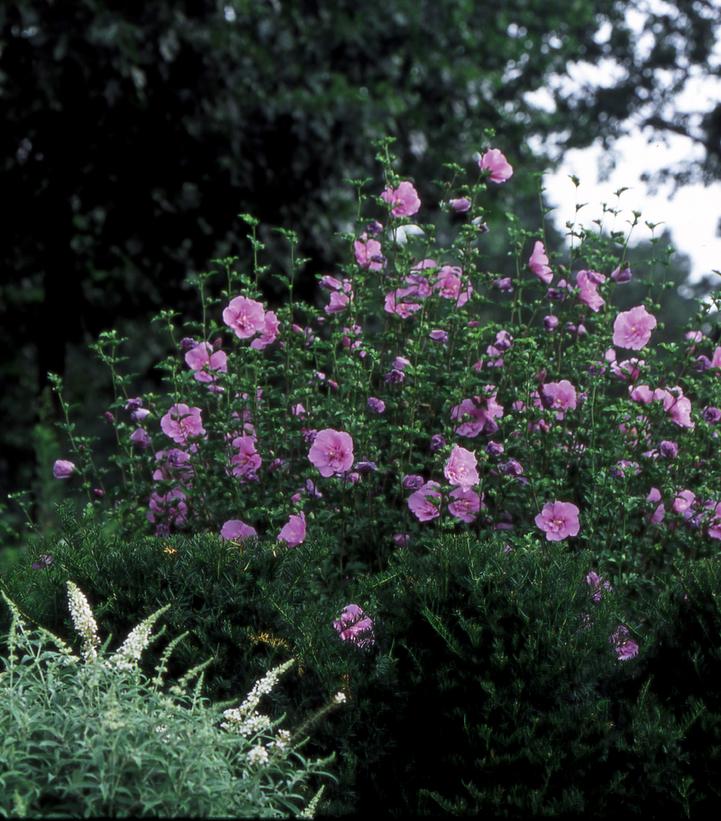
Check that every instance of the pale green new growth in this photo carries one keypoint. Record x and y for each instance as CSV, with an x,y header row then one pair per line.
x,y
312,808
98,738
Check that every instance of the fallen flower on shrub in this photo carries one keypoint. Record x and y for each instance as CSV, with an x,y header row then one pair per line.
x,y
626,648
293,531
235,530
355,626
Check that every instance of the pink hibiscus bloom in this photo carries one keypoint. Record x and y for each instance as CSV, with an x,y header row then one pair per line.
x,y
477,414
331,283
331,452
465,505
677,406
658,515
588,282
234,530
393,303
474,418
641,393
404,199
368,253
173,465
538,263
246,461
714,527
558,520
203,360
293,531
629,370
338,303
245,316
632,329
417,285
376,405
685,499
460,204
63,469
560,396
181,423
495,162
268,333
422,502
449,284
621,275
425,264
460,469
166,510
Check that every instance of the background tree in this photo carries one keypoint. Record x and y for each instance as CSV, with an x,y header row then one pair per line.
x,y
134,133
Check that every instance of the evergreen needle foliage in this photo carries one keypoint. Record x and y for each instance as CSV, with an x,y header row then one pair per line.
x,y
493,685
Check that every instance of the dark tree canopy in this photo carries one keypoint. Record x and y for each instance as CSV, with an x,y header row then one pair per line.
x,y
134,132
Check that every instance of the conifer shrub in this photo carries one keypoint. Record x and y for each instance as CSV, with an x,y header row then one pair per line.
x,y
684,664
501,676
244,608
87,735
512,694
239,605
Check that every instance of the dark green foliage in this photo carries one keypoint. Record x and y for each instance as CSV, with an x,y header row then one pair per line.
x,y
684,661
506,687
492,688
230,599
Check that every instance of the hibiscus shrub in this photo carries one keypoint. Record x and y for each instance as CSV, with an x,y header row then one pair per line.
x,y
427,395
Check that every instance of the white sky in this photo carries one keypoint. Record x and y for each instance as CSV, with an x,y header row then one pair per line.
x,y
692,214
